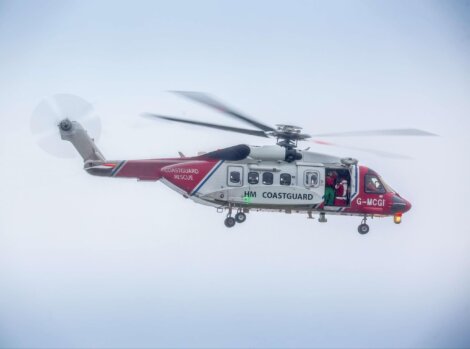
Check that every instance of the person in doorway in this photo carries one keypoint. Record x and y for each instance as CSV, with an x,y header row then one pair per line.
x,y
341,193
329,196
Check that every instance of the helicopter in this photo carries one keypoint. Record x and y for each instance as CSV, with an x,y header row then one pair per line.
x,y
243,178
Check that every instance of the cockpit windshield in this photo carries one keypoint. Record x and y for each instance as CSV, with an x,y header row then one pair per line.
x,y
374,184
388,188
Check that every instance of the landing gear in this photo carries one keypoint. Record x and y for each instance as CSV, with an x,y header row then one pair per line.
x,y
322,218
240,217
363,228
229,222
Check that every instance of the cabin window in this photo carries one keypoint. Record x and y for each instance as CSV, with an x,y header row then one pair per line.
x,y
268,178
373,185
285,179
253,177
235,176
312,178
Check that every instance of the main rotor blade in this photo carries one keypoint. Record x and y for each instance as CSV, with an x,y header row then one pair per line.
x,y
387,132
205,124
380,153
213,103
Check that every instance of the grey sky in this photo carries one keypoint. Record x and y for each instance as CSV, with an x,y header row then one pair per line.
x,y
98,262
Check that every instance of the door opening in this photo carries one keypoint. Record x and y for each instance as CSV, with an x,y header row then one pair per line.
x,y
337,187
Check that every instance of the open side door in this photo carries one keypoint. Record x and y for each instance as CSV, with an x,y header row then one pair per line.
x,y
340,184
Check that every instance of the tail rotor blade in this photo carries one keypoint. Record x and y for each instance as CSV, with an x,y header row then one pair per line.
x,y
55,146
51,111
73,107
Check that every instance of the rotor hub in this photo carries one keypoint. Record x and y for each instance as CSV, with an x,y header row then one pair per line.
x,y
288,129
65,125
288,135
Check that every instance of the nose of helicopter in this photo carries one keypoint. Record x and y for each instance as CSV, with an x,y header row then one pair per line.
x,y
400,205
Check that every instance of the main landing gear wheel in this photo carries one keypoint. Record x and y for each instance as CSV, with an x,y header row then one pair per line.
x,y
229,222
363,228
240,217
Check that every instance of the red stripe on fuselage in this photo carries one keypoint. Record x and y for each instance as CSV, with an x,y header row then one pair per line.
x,y
187,176
185,173
145,169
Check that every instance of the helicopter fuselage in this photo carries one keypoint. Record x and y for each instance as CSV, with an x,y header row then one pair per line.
x,y
229,178
245,178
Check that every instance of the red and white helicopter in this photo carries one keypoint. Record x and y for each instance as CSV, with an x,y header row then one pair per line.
x,y
242,178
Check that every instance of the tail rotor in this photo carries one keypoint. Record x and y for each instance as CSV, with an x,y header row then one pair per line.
x,y
57,112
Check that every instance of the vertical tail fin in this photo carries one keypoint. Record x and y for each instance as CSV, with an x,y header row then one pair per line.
x,y
73,132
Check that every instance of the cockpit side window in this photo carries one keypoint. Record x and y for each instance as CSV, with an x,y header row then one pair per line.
x,y
373,185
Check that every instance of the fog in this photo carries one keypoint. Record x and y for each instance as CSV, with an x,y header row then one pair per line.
x,y
104,262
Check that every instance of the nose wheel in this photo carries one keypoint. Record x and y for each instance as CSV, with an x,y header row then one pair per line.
x,y
363,228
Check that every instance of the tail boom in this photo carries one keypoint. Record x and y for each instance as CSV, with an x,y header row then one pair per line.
x,y
145,170
96,164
